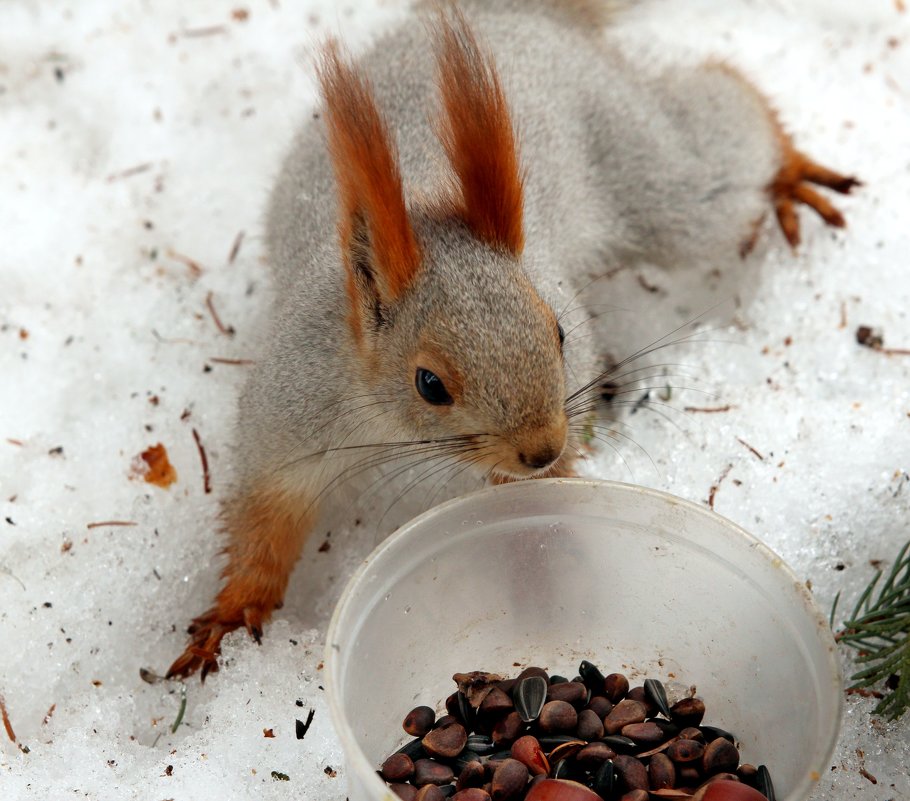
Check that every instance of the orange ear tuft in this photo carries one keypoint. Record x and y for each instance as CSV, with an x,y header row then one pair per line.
x,y
369,180
477,133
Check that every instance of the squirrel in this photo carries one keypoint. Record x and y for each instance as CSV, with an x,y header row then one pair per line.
x,y
457,187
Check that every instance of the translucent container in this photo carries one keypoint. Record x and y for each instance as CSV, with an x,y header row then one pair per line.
x,y
551,572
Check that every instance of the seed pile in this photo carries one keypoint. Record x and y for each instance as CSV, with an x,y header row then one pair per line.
x,y
545,738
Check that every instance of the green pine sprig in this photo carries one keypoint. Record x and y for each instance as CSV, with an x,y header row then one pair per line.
x,y
879,629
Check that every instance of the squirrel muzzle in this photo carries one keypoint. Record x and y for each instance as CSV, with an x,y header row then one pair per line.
x,y
531,451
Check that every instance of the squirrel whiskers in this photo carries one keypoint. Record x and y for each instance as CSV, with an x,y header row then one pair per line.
x,y
463,180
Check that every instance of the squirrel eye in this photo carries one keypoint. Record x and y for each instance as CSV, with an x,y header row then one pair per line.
x,y
431,388
562,334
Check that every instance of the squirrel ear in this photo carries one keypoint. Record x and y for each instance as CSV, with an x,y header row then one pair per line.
x,y
477,134
377,239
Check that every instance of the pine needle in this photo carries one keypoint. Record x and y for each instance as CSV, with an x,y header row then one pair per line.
x,y
181,711
879,629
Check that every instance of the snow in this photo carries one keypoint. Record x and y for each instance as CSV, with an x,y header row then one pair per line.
x,y
139,138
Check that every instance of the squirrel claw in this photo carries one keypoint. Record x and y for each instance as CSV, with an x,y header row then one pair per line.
x,y
252,620
209,666
817,174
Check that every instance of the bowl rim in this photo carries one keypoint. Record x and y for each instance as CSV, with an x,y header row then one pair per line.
x,y
355,759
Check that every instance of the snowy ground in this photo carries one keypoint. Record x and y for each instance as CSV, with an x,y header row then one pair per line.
x,y
138,141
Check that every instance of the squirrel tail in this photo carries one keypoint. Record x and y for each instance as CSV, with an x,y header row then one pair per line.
x,y
588,14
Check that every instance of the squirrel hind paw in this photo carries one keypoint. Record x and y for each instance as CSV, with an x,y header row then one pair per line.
x,y
792,187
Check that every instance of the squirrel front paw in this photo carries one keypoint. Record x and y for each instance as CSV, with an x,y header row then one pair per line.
x,y
266,531
206,632
792,186
203,648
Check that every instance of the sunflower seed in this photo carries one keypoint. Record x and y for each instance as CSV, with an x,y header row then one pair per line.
x,y
656,692
530,696
763,783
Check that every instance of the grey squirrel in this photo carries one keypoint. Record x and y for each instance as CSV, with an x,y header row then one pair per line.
x,y
459,183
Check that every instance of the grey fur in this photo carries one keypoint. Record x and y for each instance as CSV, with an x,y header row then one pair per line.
x,y
586,16
668,168
620,164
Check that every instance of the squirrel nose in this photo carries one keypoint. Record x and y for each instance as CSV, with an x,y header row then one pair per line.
x,y
540,459
537,448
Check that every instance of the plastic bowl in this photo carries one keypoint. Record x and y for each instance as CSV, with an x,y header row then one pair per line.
x,y
551,572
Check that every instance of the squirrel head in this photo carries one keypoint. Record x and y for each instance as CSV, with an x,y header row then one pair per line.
x,y
445,318
474,350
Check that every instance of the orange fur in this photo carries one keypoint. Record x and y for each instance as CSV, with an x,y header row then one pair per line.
x,y
369,179
267,531
476,131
